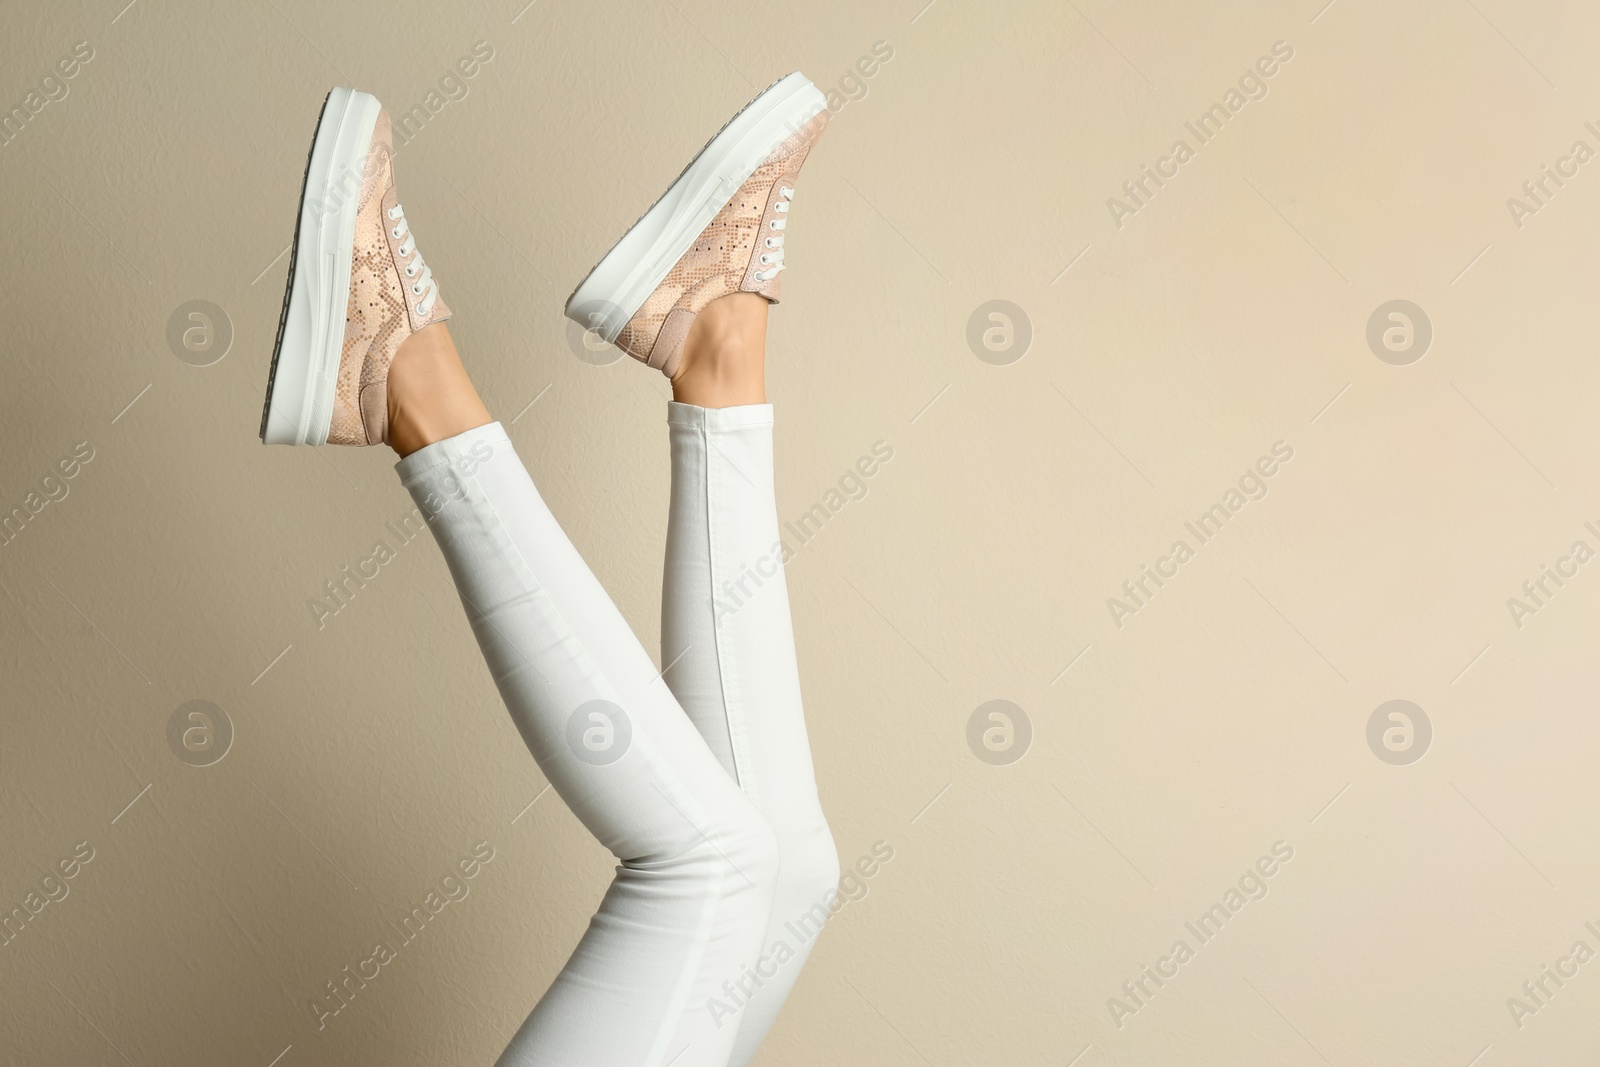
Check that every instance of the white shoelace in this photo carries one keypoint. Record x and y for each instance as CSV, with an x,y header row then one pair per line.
x,y
423,288
774,258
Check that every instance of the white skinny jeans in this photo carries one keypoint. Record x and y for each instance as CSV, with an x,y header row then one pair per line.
x,y
701,787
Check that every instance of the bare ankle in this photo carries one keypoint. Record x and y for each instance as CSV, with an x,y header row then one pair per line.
x,y
724,356
430,396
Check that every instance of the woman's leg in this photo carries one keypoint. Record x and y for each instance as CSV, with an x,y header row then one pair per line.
x,y
727,636
698,861
696,310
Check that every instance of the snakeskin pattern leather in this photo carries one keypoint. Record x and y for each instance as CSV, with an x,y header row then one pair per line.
x,y
381,312
724,258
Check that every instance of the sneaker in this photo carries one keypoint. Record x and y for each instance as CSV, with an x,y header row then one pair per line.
x,y
357,286
718,229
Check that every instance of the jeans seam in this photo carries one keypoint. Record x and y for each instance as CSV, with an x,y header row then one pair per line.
x,y
735,748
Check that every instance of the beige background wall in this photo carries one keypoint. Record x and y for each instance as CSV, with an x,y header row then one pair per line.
x,y
1168,754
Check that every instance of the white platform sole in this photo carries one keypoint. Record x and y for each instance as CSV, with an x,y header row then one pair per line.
x,y
305,360
621,282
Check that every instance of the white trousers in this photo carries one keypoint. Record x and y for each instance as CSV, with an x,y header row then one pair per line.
x,y
699,781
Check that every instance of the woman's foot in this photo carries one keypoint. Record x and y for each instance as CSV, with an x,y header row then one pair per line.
x,y
359,294
716,237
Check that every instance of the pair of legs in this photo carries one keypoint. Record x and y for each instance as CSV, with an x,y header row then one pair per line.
x,y
698,778
703,786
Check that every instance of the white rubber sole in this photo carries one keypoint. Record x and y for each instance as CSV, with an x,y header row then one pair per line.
x,y
305,360
621,282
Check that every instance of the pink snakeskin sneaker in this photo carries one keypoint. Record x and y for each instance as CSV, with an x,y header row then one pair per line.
x,y
718,229
357,286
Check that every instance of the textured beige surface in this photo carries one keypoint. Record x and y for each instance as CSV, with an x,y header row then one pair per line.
x,y
164,556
